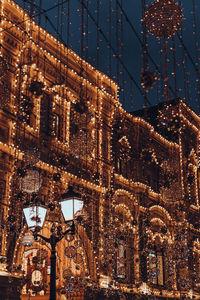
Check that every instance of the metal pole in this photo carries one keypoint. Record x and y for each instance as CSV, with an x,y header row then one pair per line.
x,y
53,240
53,271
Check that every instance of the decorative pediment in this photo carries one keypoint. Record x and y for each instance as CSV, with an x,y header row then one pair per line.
x,y
123,141
193,157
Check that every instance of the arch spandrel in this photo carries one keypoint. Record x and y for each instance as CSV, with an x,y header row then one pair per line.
x,y
161,212
123,196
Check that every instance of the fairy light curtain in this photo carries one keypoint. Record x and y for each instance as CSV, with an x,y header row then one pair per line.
x,y
197,50
113,43
163,20
85,119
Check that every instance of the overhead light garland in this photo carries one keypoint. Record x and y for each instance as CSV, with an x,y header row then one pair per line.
x,y
62,175
163,19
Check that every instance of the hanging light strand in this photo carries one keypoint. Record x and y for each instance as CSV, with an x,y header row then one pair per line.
x,y
166,88
117,40
197,50
144,50
174,65
114,53
122,56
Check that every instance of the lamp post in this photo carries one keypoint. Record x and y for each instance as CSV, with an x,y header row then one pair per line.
x,y
71,205
53,240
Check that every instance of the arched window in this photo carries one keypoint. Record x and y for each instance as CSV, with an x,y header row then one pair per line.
x,y
124,267
149,168
82,139
124,246
193,178
159,258
156,267
58,122
194,263
121,259
46,115
122,157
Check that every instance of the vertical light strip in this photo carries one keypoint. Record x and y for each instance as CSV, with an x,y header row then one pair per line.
x,y
181,156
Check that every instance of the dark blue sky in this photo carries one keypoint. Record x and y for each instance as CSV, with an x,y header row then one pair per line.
x,y
128,45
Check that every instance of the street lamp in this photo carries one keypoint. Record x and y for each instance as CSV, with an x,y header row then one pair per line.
x,y
35,215
71,205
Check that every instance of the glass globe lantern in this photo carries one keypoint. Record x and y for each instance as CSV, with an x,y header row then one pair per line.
x,y
35,216
71,204
31,182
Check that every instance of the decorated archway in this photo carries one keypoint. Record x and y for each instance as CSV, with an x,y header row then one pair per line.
x,y
76,265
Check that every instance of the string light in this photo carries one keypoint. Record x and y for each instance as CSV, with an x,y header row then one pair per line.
x,y
114,192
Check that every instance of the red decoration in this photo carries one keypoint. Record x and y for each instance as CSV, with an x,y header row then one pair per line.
x,y
148,79
163,18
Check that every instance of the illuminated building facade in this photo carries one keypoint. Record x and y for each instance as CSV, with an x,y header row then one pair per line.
x,y
61,124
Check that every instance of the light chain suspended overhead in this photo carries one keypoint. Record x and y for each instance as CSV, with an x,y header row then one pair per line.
x,y
101,32
174,86
148,78
197,50
163,19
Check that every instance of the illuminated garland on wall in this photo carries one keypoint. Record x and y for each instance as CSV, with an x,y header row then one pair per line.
x,y
130,187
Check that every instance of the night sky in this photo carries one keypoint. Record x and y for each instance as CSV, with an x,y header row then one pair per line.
x,y
118,27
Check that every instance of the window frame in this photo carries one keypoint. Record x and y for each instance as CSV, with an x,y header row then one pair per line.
x,y
159,264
